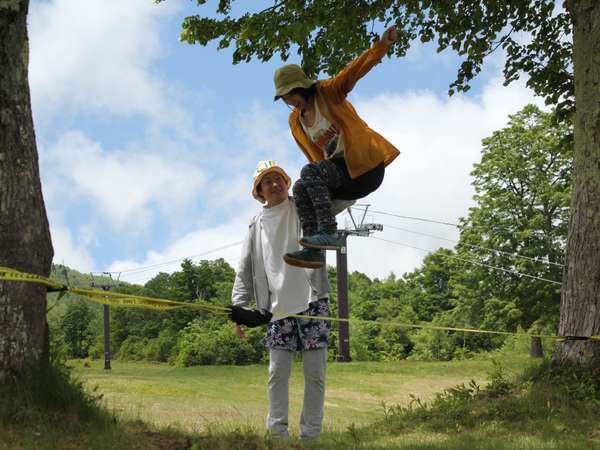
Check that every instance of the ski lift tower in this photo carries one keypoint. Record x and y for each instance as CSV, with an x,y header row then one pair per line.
x,y
360,229
106,287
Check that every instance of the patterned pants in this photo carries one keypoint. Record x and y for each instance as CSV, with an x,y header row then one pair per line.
x,y
293,333
322,181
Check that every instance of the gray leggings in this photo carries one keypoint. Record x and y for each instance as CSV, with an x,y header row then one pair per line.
x,y
280,367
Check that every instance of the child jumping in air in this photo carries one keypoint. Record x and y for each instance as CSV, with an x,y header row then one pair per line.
x,y
347,158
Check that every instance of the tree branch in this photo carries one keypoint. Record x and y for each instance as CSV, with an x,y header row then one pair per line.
x,y
500,42
270,8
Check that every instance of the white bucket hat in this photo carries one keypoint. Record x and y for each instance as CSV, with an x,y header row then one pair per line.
x,y
263,168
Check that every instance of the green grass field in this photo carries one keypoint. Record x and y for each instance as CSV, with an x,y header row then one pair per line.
x,y
197,397
156,406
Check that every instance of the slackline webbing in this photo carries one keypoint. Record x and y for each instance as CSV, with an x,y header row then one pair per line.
x,y
136,301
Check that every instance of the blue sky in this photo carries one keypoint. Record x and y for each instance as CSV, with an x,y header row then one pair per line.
x,y
147,145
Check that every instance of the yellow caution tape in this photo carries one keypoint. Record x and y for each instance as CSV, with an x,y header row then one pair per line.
x,y
14,275
107,297
136,301
427,326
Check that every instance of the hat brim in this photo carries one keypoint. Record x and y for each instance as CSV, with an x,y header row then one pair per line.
x,y
259,178
286,89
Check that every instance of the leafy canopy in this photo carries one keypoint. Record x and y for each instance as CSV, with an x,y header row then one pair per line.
x,y
523,190
327,34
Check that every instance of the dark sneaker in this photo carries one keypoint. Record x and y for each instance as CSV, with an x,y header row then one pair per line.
x,y
323,241
308,258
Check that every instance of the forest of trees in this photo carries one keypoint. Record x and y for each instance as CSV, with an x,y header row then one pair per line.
x,y
522,186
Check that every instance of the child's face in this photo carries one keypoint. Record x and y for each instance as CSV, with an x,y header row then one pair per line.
x,y
294,100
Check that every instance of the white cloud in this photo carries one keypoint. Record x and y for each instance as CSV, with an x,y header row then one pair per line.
x,y
98,56
439,140
193,245
267,132
98,60
68,252
128,187
260,133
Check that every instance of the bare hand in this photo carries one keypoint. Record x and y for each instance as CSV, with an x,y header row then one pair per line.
x,y
239,331
389,36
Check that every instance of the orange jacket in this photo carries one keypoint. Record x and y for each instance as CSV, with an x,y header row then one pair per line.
x,y
364,148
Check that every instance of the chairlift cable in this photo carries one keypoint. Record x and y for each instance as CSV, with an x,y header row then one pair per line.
x,y
472,262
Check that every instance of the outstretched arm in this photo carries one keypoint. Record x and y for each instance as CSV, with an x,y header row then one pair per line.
x,y
344,81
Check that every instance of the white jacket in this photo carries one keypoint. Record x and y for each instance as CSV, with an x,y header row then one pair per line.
x,y
251,279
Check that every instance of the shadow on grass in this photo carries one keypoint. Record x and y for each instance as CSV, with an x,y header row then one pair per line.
x,y
45,408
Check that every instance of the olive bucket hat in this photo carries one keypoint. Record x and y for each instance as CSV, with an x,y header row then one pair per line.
x,y
289,77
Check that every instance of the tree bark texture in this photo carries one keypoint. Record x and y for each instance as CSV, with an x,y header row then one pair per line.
x,y
536,350
580,298
24,233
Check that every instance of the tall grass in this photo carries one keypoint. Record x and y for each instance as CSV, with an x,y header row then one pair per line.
x,y
547,406
47,393
47,408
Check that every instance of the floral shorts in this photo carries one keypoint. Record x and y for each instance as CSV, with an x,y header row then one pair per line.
x,y
294,333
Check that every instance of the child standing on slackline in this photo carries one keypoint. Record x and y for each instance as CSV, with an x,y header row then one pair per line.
x,y
347,158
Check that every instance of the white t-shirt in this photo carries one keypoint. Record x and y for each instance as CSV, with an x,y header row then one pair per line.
x,y
325,135
288,285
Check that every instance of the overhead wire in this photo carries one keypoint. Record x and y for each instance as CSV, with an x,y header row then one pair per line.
x,y
138,270
501,252
420,219
166,263
137,279
142,269
514,272
515,255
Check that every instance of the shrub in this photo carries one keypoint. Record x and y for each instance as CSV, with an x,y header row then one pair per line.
x,y
373,342
576,382
366,342
160,348
202,343
133,348
433,345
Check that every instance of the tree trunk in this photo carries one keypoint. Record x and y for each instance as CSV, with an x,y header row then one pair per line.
x,y
24,234
536,350
580,299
